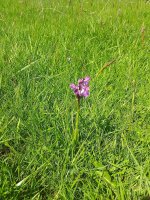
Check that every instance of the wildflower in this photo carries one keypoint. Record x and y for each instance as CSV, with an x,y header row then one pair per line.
x,y
82,89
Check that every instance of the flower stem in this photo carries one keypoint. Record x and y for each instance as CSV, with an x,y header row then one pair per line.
x,y
76,131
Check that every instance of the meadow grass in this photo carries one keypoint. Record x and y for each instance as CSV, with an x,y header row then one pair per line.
x,y
45,46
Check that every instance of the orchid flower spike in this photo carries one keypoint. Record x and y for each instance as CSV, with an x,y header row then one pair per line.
x,y
82,89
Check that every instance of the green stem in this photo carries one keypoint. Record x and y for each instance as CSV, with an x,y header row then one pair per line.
x,y
76,131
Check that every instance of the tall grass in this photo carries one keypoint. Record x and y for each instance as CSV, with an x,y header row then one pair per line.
x,y
45,46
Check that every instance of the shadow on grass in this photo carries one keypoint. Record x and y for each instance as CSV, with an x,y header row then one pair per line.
x,y
145,198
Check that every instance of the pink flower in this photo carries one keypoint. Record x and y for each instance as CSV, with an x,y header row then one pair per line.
x,y
82,89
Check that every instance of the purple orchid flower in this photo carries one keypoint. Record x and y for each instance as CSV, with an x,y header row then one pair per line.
x,y
82,89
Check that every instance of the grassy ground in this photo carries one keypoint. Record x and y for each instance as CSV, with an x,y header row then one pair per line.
x,y
45,46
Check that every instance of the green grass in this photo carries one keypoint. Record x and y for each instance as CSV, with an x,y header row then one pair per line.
x,y
45,46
